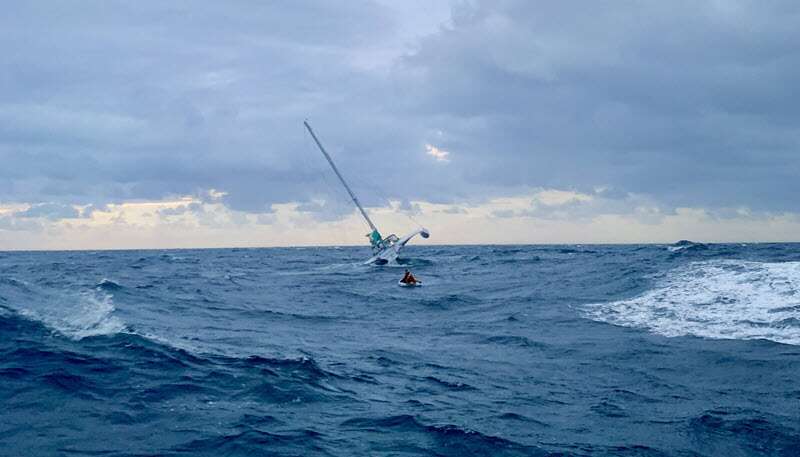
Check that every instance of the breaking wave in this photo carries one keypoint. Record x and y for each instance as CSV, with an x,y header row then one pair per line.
x,y
688,246
726,299
87,315
74,314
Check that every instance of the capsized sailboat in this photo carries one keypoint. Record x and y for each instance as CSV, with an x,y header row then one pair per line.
x,y
384,250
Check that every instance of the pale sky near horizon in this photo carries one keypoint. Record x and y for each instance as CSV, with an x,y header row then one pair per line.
x,y
179,124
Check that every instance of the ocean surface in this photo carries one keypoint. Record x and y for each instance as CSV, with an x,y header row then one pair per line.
x,y
650,350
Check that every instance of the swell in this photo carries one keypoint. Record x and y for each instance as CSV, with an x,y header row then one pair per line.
x,y
149,372
392,373
512,340
450,301
445,440
725,429
252,441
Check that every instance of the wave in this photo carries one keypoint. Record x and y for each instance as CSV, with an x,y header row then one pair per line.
x,y
520,261
303,367
108,285
450,301
444,440
521,418
79,317
512,340
254,441
687,246
70,384
725,299
608,409
412,262
575,251
74,314
97,369
449,385
734,429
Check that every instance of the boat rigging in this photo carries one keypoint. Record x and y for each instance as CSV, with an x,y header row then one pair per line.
x,y
384,250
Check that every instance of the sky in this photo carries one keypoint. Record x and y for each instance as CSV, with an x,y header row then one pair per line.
x,y
180,124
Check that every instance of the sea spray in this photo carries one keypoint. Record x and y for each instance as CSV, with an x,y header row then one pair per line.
x,y
730,299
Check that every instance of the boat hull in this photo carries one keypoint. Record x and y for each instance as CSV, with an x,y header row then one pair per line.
x,y
390,253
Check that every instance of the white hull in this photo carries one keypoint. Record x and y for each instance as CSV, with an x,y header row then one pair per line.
x,y
389,254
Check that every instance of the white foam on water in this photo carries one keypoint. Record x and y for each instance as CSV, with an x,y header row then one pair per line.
x,y
728,299
86,315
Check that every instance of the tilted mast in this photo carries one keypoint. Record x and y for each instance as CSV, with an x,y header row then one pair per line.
x,y
344,183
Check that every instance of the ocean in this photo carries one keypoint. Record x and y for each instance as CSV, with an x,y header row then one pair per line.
x,y
634,350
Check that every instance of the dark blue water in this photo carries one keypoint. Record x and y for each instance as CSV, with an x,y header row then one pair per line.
x,y
530,350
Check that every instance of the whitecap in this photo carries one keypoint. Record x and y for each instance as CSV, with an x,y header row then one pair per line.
x,y
727,299
85,315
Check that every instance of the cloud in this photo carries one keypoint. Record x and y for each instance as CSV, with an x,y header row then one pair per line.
x,y
180,210
52,211
88,210
453,210
436,153
10,223
667,106
151,225
326,210
688,103
552,197
410,208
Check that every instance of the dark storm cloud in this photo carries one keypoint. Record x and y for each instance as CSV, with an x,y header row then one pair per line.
x,y
108,101
690,103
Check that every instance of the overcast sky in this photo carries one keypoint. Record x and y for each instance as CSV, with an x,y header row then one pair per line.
x,y
179,124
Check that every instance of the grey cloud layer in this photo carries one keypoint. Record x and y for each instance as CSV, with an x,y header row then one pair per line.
x,y
689,103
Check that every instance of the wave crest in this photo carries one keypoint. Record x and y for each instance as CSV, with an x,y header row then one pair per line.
x,y
89,315
725,299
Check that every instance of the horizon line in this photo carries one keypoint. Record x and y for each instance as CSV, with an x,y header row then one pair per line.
x,y
329,246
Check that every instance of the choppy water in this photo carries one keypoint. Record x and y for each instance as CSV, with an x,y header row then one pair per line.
x,y
526,350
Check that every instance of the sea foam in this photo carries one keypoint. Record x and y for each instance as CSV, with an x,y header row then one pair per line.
x,y
728,299
84,315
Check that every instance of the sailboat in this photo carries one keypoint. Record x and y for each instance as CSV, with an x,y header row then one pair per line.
x,y
384,250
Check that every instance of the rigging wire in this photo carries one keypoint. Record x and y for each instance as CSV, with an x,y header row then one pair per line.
x,y
366,182
371,184
334,191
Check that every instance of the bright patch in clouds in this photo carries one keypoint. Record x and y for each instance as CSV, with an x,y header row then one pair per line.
x,y
216,194
552,197
438,154
533,216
